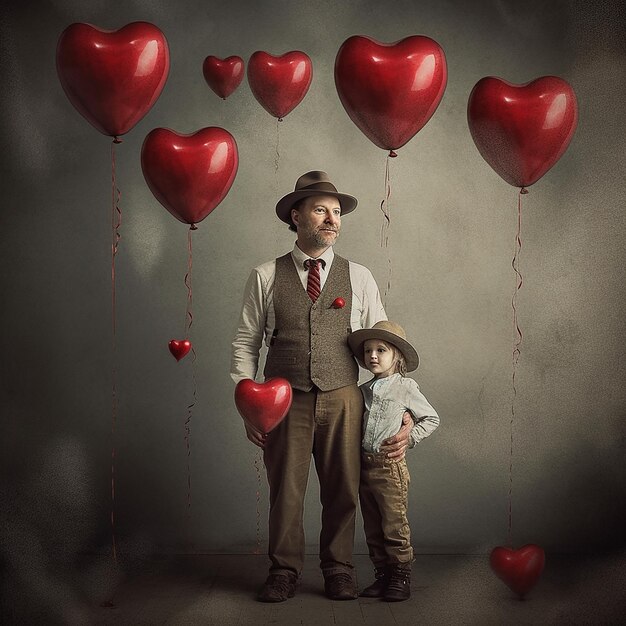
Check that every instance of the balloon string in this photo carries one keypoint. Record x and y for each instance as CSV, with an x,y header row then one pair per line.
x,y
188,435
188,276
277,155
188,324
516,350
258,463
384,230
384,207
116,222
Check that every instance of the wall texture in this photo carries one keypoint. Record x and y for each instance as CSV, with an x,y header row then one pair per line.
x,y
451,245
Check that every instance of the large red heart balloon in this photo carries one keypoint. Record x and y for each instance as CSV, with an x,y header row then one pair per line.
x,y
390,91
113,77
518,569
522,130
223,76
279,83
264,405
189,174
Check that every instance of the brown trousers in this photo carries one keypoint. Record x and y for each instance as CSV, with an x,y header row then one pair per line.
x,y
327,425
384,494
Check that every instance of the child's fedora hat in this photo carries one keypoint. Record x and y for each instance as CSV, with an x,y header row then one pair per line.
x,y
389,332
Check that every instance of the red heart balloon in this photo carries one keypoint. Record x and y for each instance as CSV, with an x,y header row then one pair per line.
x,y
264,405
522,130
179,348
189,174
518,569
390,91
113,77
223,76
279,83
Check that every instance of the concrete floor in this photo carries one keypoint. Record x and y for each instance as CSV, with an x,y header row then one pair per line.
x,y
220,590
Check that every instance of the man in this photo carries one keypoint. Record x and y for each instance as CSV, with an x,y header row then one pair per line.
x,y
305,304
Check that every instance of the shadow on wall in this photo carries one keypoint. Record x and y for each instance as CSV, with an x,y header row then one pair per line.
x,y
584,510
55,557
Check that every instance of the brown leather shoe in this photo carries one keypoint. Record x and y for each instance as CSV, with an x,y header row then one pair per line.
x,y
277,588
399,587
340,587
378,588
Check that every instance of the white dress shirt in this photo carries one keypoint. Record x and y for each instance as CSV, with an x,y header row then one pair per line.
x,y
257,319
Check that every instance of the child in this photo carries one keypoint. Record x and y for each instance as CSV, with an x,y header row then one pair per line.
x,y
383,492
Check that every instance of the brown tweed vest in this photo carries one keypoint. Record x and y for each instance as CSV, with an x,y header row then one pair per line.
x,y
309,343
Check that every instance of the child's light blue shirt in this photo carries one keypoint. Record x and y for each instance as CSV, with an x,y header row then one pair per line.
x,y
386,400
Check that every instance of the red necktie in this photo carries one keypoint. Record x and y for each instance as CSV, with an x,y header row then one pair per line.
x,y
313,285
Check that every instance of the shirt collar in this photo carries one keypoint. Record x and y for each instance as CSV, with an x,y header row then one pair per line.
x,y
386,379
299,256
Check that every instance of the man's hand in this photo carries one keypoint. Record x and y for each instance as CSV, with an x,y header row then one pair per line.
x,y
395,447
254,435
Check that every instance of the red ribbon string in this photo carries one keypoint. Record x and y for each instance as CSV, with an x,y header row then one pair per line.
x,y
188,324
384,230
277,155
516,350
188,310
116,222
188,432
258,463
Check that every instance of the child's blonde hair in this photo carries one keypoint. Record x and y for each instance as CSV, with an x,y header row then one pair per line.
x,y
400,360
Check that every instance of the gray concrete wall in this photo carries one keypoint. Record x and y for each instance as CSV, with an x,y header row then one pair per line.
x,y
451,245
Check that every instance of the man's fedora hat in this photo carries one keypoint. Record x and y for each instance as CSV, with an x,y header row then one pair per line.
x,y
390,332
313,184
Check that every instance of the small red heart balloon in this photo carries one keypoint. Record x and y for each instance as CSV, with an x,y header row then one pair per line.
x,y
390,91
179,348
338,303
264,405
522,130
518,569
113,77
279,83
189,174
223,76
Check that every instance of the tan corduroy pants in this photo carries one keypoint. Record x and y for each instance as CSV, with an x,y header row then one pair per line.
x,y
326,425
384,494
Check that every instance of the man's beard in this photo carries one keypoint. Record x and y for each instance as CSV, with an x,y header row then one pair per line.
x,y
318,238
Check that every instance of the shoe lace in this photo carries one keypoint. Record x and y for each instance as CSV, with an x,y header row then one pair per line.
x,y
380,573
399,578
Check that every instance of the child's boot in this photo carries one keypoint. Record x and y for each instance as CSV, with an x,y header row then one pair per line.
x,y
378,588
399,586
